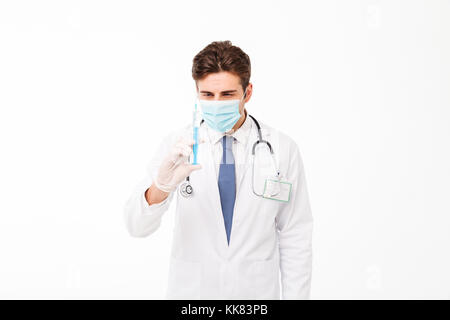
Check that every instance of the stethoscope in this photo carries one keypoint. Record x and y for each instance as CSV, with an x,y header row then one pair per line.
x,y
186,189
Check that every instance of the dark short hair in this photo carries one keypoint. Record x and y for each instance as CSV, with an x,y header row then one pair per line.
x,y
222,56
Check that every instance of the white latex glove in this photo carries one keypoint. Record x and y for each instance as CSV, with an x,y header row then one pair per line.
x,y
175,167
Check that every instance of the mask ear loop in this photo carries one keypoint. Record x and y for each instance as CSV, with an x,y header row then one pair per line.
x,y
245,94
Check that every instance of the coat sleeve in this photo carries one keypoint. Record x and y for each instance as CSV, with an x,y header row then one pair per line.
x,y
142,219
294,226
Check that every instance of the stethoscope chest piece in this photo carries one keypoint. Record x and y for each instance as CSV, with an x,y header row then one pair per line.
x,y
186,189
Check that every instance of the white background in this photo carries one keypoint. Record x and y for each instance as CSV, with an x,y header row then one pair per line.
x,y
88,89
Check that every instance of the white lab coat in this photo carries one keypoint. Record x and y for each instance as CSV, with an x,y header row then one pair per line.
x,y
268,238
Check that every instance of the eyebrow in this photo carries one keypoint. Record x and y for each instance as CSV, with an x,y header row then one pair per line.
x,y
226,91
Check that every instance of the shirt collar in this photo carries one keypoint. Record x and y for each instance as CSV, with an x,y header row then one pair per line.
x,y
241,134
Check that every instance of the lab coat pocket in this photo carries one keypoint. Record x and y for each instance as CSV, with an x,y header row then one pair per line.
x,y
258,279
184,279
266,281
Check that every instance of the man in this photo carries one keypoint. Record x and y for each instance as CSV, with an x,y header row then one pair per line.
x,y
248,218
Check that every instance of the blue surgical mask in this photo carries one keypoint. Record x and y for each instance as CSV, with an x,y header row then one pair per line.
x,y
220,115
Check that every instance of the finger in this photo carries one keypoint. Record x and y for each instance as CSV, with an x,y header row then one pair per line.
x,y
186,151
194,167
184,141
184,146
178,151
189,142
173,156
188,168
176,157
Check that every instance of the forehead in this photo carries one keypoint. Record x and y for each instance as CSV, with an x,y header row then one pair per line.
x,y
219,81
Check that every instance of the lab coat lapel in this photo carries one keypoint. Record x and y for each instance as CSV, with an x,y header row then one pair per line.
x,y
213,192
243,196
246,169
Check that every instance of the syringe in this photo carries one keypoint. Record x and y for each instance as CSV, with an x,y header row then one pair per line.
x,y
196,126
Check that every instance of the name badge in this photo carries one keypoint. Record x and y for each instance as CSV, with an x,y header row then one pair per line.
x,y
275,189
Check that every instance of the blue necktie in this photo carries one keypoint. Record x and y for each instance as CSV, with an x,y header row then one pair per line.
x,y
227,183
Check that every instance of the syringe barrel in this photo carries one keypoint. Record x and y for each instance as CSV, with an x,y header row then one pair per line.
x,y
195,146
196,126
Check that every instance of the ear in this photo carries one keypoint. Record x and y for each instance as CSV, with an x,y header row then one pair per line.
x,y
248,93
